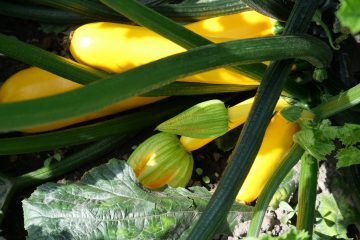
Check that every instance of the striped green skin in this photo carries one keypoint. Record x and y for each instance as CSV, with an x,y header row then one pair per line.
x,y
188,11
40,13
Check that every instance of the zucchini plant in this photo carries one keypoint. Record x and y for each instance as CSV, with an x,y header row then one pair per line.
x,y
285,71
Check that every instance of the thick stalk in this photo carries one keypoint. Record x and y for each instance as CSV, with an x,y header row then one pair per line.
x,y
89,99
251,136
269,190
68,164
120,125
307,193
40,13
277,9
338,103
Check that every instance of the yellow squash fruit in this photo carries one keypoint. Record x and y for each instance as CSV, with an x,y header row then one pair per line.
x,y
115,47
161,160
277,142
34,82
237,116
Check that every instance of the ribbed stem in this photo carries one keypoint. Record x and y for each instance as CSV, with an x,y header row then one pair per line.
x,y
251,136
68,164
338,103
40,13
307,193
277,9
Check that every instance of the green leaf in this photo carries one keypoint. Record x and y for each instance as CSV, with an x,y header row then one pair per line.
x,y
350,134
292,113
312,140
349,15
285,206
204,120
109,203
319,141
336,215
293,234
348,156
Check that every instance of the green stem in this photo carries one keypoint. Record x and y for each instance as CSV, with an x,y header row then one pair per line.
x,y
307,193
40,13
61,66
123,124
319,21
338,103
91,98
68,164
90,9
271,187
253,131
277,9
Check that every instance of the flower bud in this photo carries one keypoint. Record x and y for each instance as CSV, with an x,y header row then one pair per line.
x,y
162,160
204,120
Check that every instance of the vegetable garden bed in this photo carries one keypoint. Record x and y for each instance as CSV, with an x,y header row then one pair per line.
x,y
179,119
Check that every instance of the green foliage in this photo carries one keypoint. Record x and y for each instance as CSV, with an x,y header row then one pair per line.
x,y
349,15
293,234
292,113
290,212
320,141
348,156
108,202
56,156
335,216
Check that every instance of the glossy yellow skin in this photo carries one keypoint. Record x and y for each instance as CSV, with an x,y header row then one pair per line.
x,y
237,116
34,83
277,142
118,47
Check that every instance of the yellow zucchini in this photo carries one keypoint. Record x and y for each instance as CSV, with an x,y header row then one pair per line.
x,y
118,47
277,142
34,83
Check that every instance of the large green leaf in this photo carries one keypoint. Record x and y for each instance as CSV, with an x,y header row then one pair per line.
x,y
109,203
